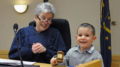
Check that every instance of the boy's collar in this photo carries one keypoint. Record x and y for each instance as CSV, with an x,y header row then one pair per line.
x,y
90,50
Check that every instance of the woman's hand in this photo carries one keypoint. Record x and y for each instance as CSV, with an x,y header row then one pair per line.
x,y
38,48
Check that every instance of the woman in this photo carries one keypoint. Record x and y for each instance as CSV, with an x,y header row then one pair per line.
x,y
41,42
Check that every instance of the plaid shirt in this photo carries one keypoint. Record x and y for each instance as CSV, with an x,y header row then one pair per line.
x,y
75,57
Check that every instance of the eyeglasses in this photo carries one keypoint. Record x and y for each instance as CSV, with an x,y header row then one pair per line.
x,y
43,19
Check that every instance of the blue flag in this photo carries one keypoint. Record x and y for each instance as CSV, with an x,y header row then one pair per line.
x,y
105,34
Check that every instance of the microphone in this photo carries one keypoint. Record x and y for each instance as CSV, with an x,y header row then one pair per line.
x,y
15,27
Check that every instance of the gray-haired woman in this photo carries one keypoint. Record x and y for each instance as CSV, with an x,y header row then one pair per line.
x,y
41,42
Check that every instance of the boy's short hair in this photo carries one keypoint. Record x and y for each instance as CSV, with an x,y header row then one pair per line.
x,y
89,26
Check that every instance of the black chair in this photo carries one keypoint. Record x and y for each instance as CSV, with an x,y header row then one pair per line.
x,y
63,26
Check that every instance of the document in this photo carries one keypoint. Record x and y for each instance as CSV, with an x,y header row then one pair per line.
x,y
15,62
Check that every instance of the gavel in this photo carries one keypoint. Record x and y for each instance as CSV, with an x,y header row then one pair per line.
x,y
60,56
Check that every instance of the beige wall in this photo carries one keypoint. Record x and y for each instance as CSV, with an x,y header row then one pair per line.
x,y
115,16
75,11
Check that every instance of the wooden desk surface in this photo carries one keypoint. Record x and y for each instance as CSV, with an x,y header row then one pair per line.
x,y
43,64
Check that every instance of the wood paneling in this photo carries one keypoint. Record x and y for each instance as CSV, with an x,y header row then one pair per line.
x,y
4,54
115,61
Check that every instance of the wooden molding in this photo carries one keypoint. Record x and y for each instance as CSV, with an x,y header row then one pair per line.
x,y
4,54
115,61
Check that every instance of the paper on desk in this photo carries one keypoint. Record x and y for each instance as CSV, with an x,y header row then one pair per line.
x,y
17,62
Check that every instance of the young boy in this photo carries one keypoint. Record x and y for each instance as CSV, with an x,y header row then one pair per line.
x,y
85,51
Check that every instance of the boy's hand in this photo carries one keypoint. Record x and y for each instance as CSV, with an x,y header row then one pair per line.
x,y
53,61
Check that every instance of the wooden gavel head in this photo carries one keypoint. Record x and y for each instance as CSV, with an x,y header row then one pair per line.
x,y
60,56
